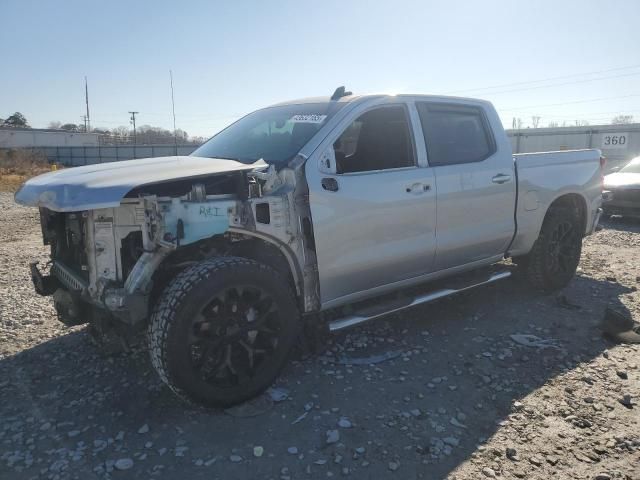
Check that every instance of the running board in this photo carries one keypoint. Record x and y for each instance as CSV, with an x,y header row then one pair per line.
x,y
356,318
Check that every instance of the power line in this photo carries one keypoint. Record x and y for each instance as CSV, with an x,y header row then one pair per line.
x,y
194,116
545,79
562,84
570,103
585,115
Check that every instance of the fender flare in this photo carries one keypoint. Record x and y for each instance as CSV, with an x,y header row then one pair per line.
x,y
290,256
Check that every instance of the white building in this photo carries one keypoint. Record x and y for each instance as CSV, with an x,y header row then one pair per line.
x,y
35,137
619,143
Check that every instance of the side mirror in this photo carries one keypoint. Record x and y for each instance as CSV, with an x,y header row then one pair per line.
x,y
327,162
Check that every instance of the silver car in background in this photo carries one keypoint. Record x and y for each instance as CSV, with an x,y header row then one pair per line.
x,y
622,191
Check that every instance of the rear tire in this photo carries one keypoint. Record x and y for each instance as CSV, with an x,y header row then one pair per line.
x,y
552,262
222,331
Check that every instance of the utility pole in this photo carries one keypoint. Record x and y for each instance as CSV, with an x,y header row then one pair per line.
x,y
173,108
86,101
85,120
133,122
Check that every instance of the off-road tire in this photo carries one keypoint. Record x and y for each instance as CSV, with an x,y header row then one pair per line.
x,y
539,264
171,321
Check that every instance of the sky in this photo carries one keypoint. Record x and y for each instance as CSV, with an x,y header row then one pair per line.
x,y
560,60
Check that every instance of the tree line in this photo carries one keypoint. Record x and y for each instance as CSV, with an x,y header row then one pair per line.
x,y
144,135
148,135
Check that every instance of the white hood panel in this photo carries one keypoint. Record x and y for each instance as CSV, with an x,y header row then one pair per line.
x,y
105,185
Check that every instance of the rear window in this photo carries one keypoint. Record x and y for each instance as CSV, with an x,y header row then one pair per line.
x,y
455,134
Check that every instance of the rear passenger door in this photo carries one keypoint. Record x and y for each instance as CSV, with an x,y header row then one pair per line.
x,y
475,181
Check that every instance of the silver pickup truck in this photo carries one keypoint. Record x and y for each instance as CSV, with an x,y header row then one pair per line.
x,y
316,213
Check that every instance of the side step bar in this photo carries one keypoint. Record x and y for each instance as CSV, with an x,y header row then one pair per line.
x,y
356,318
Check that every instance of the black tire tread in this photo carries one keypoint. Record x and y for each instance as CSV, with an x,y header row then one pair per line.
x,y
534,262
165,311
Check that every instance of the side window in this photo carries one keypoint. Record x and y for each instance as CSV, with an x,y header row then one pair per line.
x,y
377,140
455,134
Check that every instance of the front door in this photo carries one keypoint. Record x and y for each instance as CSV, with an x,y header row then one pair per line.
x,y
374,216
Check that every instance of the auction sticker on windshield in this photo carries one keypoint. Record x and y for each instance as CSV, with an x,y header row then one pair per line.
x,y
308,118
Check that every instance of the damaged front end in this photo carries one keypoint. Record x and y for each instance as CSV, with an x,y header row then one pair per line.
x,y
115,261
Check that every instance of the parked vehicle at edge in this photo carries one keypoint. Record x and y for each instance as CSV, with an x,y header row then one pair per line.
x,y
622,191
296,212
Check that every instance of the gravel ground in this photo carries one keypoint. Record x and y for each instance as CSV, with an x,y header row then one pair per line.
x,y
451,394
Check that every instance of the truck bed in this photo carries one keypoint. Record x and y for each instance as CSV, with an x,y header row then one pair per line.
x,y
543,177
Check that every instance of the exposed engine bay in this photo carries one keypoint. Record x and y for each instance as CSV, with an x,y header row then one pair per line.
x,y
120,258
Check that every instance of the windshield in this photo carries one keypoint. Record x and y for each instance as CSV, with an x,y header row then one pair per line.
x,y
632,167
275,134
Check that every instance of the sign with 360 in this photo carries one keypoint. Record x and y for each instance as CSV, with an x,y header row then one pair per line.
x,y
614,140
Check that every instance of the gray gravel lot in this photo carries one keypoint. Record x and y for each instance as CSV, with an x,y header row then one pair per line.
x,y
454,397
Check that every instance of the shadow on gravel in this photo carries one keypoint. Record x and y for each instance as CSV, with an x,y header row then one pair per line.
x,y
427,411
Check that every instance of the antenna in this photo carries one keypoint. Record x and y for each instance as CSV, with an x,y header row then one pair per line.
x,y
86,101
173,109
339,93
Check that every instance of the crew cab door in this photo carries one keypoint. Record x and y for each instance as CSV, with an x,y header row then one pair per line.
x,y
372,203
475,180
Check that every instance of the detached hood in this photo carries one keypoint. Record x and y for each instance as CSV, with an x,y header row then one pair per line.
x,y
622,180
105,185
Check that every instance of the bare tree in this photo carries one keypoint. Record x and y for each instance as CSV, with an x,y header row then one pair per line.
x,y
535,120
622,119
553,125
121,131
70,127
55,125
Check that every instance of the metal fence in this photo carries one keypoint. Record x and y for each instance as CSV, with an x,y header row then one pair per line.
x,y
75,156
619,143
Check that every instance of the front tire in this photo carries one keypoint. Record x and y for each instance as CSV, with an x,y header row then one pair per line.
x,y
555,255
222,331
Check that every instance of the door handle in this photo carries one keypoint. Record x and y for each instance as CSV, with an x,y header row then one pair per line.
x,y
501,178
418,188
330,184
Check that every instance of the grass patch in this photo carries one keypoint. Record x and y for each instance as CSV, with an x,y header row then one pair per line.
x,y
16,166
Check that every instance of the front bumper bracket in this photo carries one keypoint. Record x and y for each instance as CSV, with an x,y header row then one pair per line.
x,y
44,285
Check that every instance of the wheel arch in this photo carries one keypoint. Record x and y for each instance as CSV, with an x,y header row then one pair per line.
x,y
251,245
530,222
574,201
269,251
